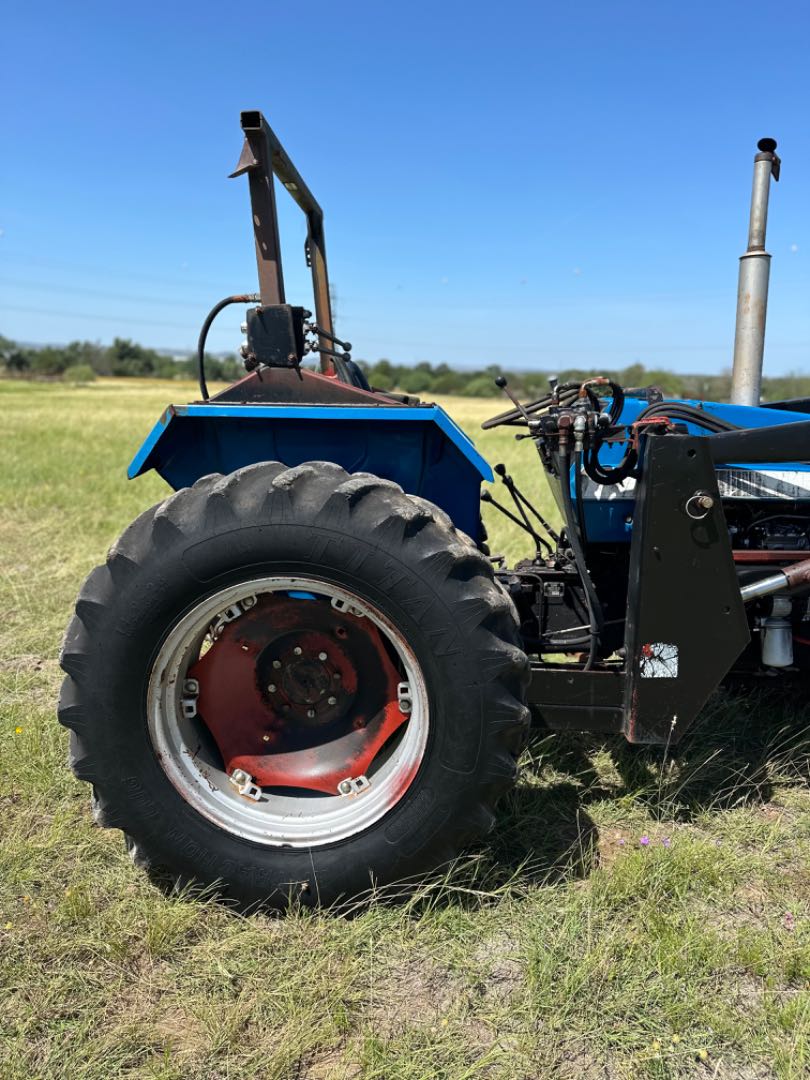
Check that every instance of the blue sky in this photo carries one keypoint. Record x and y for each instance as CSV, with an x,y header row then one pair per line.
x,y
536,185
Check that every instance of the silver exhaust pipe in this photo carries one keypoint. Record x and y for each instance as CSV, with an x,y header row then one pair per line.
x,y
752,290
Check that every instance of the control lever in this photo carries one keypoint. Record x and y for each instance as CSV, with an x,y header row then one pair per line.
x,y
502,384
511,487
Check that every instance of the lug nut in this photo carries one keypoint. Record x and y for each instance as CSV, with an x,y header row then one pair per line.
x,y
331,701
265,738
297,650
271,689
311,714
276,664
322,656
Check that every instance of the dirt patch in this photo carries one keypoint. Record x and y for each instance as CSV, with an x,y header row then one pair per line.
x,y
415,991
502,971
330,1065
19,665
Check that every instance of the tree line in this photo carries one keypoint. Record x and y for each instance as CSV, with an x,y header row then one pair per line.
x,y
82,361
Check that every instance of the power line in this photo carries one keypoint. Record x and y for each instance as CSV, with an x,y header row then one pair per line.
x,y
95,317
44,287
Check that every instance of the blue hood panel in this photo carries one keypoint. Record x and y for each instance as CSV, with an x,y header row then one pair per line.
x,y
609,510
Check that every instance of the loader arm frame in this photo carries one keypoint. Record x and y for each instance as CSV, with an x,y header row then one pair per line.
x,y
262,158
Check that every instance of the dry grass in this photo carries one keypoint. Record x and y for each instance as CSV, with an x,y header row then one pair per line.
x,y
564,949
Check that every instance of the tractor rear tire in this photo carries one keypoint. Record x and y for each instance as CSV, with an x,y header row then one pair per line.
x,y
395,576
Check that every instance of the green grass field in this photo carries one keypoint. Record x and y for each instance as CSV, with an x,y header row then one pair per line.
x,y
566,948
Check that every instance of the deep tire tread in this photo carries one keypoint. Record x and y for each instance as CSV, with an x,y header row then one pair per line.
x,y
316,491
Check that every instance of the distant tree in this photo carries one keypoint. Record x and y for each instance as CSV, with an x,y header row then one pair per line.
x,y
16,360
79,373
380,380
480,386
449,382
634,375
89,353
48,361
415,381
127,358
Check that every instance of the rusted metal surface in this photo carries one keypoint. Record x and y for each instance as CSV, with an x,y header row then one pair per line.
x,y
262,157
798,575
281,696
786,579
299,387
768,556
255,161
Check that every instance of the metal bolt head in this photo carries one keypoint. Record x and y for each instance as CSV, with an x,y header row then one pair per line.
x,y
322,656
336,677
276,664
331,701
297,650
265,738
271,689
706,501
311,714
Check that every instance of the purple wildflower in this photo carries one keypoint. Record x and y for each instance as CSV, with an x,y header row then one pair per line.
x,y
644,841
789,921
666,842
622,841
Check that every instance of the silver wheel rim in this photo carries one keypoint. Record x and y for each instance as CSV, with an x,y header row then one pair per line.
x,y
276,820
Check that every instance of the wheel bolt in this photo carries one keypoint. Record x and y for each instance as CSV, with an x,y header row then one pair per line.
x,y
322,656
331,701
311,714
265,738
277,664
297,650
271,689
336,677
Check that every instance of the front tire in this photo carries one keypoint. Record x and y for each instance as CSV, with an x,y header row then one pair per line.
x,y
257,636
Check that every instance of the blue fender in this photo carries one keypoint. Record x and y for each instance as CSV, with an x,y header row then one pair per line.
x,y
417,446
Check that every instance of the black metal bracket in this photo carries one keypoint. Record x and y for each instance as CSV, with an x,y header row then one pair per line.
x,y
686,622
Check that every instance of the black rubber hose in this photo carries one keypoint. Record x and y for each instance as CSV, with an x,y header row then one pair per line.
x,y
617,403
244,298
583,536
595,615
603,475
680,410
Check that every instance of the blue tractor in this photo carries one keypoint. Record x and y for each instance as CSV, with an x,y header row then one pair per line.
x,y
303,674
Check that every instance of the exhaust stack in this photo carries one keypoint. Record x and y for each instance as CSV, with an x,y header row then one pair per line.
x,y
752,290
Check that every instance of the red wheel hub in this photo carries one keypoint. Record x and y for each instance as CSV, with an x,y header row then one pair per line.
x,y
299,693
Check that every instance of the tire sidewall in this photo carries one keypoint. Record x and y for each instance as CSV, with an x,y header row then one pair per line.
x,y
419,602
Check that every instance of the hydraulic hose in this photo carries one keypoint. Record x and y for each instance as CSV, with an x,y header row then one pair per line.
x,y
244,298
580,501
602,475
596,617
681,410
